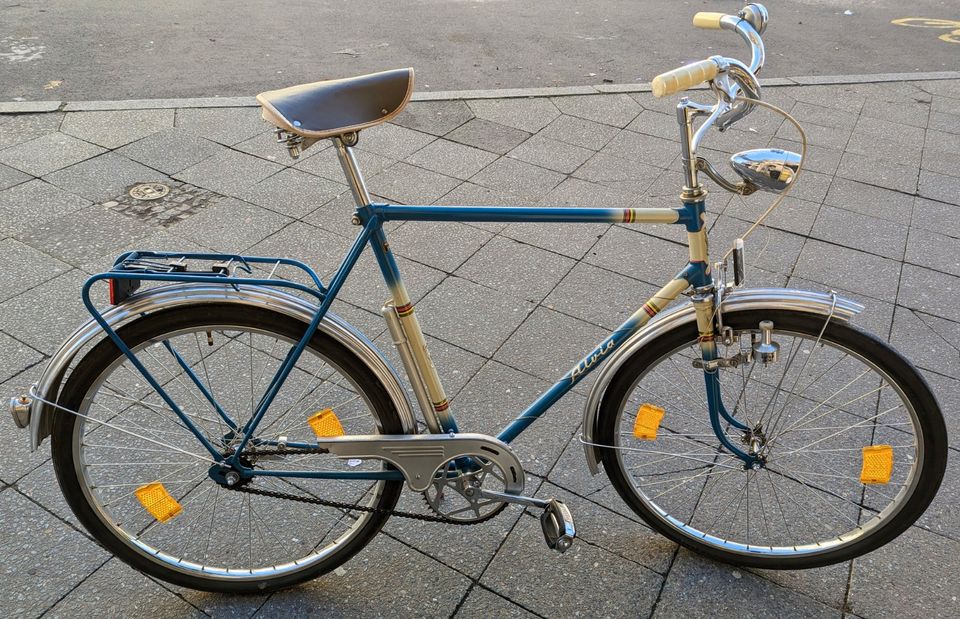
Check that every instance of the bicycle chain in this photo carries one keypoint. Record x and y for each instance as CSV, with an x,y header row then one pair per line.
x,y
337,504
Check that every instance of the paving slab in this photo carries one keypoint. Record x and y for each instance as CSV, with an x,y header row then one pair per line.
x,y
698,587
17,356
26,268
171,150
385,574
903,579
228,126
497,394
585,577
104,177
941,517
228,172
522,179
940,187
326,164
291,192
434,117
570,341
393,141
551,154
579,290
265,146
43,316
442,245
35,543
488,135
616,110
863,232
455,366
579,132
28,204
77,237
25,127
472,316
530,274
409,184
529,115
895,206
365,288
620,174
116,590
10,177
929,291
114,129
482,603
451,159
929,341
467,549
840,266
48,153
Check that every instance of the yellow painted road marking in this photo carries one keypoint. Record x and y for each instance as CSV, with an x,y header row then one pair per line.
x,y
925,22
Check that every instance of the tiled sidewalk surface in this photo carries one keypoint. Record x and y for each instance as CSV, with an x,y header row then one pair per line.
x,y
876,216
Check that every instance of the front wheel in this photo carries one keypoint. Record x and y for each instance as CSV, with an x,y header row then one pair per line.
x,y
851,441
221,539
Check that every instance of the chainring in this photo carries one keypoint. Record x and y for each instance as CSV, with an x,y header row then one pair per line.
x,y
454,494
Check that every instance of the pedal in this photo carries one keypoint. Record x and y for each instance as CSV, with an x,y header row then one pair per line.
x,y
557,524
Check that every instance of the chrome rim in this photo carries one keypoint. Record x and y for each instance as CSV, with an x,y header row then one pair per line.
x,y
820,405
222,534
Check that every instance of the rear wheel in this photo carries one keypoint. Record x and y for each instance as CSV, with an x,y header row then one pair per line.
x,y
827,405
222,539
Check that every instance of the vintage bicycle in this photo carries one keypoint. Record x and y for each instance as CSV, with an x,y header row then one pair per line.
x,y
219,428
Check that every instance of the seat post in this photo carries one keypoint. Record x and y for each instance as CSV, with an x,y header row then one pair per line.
x,y
351,170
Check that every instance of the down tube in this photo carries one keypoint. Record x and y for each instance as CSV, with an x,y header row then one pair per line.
x,y
641,317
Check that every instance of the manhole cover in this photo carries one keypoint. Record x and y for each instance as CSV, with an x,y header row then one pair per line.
x,y
149,191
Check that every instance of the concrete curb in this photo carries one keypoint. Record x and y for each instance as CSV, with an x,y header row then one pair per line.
x,y
29,107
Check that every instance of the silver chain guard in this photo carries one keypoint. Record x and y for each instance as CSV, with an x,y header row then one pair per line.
x,y
419,456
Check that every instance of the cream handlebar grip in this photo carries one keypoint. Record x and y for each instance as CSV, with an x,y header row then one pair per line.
x,y
708,21
684,77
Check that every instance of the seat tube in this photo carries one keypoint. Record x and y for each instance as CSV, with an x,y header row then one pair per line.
x,y
398,311
408,337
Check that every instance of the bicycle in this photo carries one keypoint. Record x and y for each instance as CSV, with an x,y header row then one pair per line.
x,y
756,426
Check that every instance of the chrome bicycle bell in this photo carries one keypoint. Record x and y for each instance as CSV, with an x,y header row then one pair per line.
x,y
769,169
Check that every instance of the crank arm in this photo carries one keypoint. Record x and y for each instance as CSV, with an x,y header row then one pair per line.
x,y
529,501
420,456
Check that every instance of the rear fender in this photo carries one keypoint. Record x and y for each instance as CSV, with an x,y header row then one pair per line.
x,y
179,295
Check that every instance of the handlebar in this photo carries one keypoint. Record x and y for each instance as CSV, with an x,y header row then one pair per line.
x,y
749,23
684,78
708,21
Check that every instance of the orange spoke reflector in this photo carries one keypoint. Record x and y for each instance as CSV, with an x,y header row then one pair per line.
x,y
649,417
156,500
877,464
325,424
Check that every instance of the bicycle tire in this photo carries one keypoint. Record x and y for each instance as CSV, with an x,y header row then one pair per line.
x,y
105,360
927,477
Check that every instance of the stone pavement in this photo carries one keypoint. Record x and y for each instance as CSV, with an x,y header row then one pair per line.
x,y
881,198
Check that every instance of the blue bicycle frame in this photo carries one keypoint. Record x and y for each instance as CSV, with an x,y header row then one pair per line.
x,y
143,266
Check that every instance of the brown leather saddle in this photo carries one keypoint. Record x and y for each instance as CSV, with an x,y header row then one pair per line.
x,y
337,107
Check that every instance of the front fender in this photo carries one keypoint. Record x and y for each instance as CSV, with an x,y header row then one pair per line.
x,y
177,295
747,299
